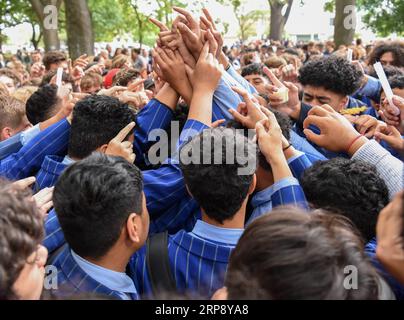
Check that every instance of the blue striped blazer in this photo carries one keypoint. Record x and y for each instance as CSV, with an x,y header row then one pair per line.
x,y
72,280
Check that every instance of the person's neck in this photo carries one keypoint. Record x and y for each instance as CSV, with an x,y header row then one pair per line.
x,y
236,222
116,259
264,179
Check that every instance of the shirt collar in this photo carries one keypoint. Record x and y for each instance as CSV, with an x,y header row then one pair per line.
x,y
262,196
116,281
68,161
210,232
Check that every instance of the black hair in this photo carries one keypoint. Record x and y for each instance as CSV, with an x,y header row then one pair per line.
x,y
253,68
352,188
220,187
93,199
395,47
389,70
332,73
42,104
97,120
397,82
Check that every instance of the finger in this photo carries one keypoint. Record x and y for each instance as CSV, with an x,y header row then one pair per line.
x,y
187,33
270,115
238,116
189,71
169,53
243,93
318,111
260,129
217,123
206,23
314,120
272,77
47,206
192,22
212,43
124,132
208,17
132,158
311,136
134,85
24,183
159,24
127,145
328,108
205,52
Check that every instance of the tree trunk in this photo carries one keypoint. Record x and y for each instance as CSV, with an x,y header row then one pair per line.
x,y
80,38
344,22
277,20
50,36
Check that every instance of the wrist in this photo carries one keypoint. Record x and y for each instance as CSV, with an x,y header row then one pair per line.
x,y
276,156
355,144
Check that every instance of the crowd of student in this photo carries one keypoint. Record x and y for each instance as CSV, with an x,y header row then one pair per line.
x,y
320,198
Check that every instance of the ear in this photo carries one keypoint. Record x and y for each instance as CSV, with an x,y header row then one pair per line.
x,y
253,184
134,227
5,133
344,102
103,148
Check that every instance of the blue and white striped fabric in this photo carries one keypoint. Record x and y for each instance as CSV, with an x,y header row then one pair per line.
x,y
27,161
72,280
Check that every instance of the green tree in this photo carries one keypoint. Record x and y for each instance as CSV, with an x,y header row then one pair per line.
x,y
277,19
12,13
384,17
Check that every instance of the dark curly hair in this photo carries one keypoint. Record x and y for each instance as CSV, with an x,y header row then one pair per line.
x,y
352,188
395,47
97,120
390,71
219,188
332,73
294,255
21,231
253,68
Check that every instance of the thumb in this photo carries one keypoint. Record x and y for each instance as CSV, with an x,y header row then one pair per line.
x,y
311,136
259,129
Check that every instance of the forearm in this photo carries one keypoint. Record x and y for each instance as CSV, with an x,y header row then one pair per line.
x,y
184,89
201,107
168,96
279,165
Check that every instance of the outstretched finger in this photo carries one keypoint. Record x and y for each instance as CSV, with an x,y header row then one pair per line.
x,y
124,132
272,77
159,24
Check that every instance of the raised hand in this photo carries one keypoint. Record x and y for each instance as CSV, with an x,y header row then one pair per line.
x,y
249,112
366,125
283,96
120,148
43,200
207,71
336,132
390,135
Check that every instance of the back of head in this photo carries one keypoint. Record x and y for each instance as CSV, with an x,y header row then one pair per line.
x,y
96,121
294,255
124,77
24,93
352,188
42,104
397,82
21,231
218,166
331,73
12,112
93,198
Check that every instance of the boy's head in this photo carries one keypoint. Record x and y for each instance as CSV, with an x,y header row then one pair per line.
x,y
43,104
22,257
218,166
91,83
351,188
294,255
254,75
397,86
100,204
329,80
12,117
96,121
53,60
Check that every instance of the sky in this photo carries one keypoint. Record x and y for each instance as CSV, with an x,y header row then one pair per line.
x,y
303,19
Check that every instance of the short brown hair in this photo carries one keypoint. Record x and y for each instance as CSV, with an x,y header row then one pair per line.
x,y
52,57
293,254
12,112
90,80
119,61
21,231
123,77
